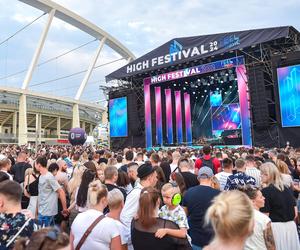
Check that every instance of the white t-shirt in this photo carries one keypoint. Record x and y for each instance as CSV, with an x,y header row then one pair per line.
x,y
256,240
101,235
124,233
222,178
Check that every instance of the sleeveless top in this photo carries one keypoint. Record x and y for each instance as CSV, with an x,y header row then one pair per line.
x,y
33,187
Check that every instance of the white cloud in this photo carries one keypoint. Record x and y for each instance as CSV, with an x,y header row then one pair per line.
x,y
135,24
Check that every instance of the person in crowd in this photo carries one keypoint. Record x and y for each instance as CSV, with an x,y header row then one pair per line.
x,y
208,161
161,179
280,206
100,171
227,171
196,202
44,239
215,184
31,189
148,178
132,173
285,174
3,176
272,156
111,177
18,170
240,178
172,211
5,166
48,189
146,225
165,165
115,202
119,161
102,158
178,179
190,179
80,202
262,237
13,223
129,156
62,176
53,168
154,159
140,158
104,234
175,159
252,170
123,181
232,218
258,155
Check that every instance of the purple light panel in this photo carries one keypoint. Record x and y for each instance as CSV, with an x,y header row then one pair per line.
x,y
188,123
169,121
244,104
148,113
178,116
159,133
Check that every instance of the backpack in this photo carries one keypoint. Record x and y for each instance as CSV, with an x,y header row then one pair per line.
x,y
208,163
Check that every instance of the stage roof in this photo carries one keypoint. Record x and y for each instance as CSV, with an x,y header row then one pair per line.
x,y
180,50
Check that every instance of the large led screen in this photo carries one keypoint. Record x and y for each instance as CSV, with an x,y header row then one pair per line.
x,y
289,95
215,99
118,117
226,117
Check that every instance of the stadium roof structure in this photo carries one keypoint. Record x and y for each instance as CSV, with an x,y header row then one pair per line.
x,y
54,10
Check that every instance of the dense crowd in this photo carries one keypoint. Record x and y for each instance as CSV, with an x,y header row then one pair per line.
x,y
60,197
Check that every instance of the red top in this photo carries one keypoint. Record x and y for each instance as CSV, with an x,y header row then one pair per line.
x,y
216,163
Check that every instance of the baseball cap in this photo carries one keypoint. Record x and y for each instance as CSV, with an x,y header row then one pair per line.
x,y
205,172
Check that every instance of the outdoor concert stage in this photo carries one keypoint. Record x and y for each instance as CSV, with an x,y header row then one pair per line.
x,y
217,89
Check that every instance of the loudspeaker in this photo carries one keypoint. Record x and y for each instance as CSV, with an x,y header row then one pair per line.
x,y
134,121
258,100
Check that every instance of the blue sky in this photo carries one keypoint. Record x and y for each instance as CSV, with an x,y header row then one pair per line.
x,y
140,25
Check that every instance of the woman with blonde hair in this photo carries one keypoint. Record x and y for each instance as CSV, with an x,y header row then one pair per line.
x,y
280,206
232,218
285,173
91,229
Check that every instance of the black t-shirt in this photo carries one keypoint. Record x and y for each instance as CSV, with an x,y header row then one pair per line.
x,y
18,171
279,204
190,179
197,200
144,239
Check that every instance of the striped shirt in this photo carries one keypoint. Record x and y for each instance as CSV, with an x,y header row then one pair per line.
x,y
222,178
255,173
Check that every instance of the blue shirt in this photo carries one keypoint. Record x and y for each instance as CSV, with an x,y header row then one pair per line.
x,y
239,179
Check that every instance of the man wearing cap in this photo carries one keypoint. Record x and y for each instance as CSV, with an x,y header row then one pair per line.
x,y
148,178
196,201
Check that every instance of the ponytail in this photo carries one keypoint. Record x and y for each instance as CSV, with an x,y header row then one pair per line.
x,y
147,205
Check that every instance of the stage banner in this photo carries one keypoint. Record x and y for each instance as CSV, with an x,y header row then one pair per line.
x,y
169,121
198,70
158,116
186,49
178,117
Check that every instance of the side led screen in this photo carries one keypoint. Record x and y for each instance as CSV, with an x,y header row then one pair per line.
x,y
226,117
118,117
289,95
